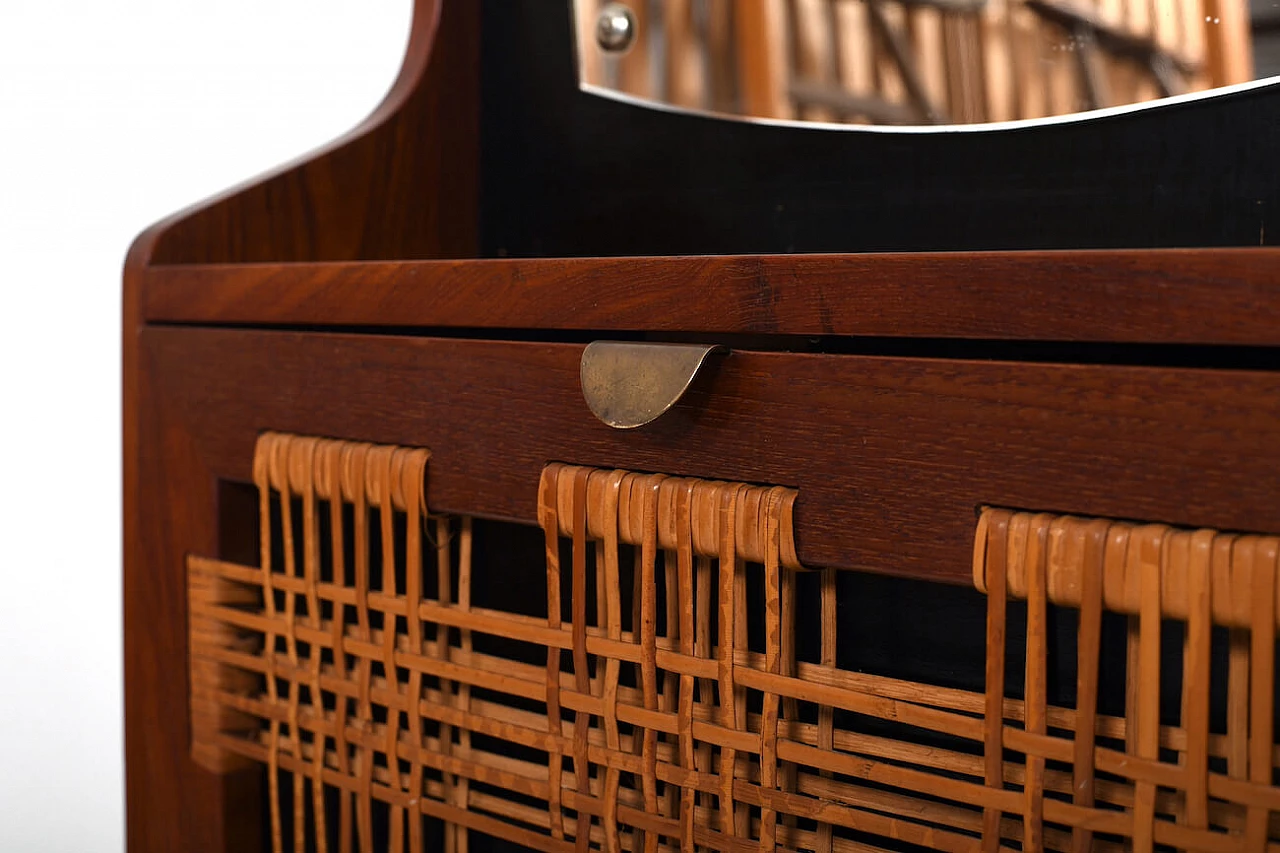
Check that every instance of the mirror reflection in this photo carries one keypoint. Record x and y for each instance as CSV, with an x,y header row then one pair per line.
x,y
921,62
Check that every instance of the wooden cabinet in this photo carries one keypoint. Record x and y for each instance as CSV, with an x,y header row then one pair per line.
x,y
908,423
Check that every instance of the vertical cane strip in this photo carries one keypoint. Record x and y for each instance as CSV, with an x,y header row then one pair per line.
x,y
1193,784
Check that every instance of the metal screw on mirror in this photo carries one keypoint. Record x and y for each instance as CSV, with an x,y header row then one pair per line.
x,y
615,28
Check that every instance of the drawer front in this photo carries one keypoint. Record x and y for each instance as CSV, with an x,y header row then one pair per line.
x,y
891,456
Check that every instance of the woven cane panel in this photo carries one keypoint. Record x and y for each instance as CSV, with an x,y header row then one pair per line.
x,y
680,682
1184,779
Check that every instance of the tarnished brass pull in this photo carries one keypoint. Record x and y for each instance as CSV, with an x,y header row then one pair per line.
x,y
627,385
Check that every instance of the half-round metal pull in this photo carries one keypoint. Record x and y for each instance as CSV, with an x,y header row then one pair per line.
x,y
628,385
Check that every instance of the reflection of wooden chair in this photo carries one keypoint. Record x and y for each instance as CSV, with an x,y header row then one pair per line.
x,y
923,61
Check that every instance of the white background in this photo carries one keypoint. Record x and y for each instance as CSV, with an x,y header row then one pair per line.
x,y
114,113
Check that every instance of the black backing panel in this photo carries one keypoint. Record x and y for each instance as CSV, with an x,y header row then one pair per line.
x,y
569,174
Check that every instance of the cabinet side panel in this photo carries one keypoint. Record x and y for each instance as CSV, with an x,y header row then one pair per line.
x,y
170,509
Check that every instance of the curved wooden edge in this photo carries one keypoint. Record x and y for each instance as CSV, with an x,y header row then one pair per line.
x,y
1227,297
317,207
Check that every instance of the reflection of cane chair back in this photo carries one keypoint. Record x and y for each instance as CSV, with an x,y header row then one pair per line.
x,y
922,61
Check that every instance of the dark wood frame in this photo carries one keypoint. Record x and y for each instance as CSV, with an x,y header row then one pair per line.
x,y
1028,377
170,494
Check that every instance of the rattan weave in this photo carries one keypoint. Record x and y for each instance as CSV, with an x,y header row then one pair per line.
x,y
673,712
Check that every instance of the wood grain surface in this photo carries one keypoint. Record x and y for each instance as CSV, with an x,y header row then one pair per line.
x,y
402,184
891,455
170,510
1175,296
327,205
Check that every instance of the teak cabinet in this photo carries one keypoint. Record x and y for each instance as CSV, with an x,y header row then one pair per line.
x,y
781,643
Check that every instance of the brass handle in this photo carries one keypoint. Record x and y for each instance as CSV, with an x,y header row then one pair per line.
x,y
627,385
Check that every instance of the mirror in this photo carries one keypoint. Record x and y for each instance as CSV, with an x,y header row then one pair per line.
x,y
920,63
